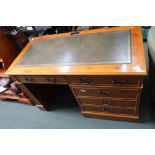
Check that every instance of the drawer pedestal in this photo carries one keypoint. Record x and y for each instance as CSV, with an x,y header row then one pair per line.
x,y
110,97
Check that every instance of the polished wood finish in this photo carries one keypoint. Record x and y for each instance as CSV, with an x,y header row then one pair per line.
x,y
120,81
137,67
109,109
111,116
109,91
7,95
42,79
8,51
108,101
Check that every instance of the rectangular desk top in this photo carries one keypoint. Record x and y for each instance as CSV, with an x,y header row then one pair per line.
x,y
113,51
89,49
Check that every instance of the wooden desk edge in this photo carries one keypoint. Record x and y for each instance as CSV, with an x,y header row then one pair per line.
x,y
80,70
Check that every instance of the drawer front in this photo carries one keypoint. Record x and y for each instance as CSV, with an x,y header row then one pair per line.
x,y
42,79
109,109
107,92
110,102
106,80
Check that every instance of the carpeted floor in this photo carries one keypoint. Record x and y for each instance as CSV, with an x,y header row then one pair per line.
x,y
14,115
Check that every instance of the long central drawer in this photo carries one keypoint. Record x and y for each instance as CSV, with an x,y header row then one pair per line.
x,y
106,92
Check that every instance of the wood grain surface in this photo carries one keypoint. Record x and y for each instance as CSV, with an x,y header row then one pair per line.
x,y
137,67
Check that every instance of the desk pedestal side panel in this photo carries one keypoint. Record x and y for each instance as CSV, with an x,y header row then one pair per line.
x,y
110,97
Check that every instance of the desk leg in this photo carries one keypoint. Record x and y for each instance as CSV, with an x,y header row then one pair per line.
x,y
34,100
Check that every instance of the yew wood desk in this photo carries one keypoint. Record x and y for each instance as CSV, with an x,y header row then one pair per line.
x,y
104,68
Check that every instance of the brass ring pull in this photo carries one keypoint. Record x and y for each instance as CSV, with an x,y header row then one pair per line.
x,y
106,102
119,81
106,110
52,80
82,90
86,81
29,79
104,92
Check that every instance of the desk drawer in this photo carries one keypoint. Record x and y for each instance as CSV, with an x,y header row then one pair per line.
x,y
107,92
106,80
109,109
110,102
42,79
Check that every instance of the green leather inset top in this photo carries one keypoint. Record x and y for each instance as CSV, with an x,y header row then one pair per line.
x,y
87,49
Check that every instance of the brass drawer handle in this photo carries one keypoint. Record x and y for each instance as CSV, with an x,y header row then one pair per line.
x,y
107,102
85,81
106,110
104,92
82,90
119,81
52,80
29,79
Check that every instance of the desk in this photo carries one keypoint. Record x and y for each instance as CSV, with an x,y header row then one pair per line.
x,y
104,68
